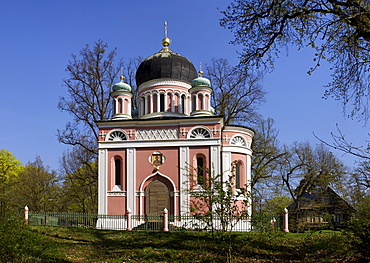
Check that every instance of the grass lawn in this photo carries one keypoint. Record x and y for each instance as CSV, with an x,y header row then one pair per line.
x,y
61,244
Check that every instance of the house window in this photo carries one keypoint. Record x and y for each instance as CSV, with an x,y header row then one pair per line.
x,y
117,166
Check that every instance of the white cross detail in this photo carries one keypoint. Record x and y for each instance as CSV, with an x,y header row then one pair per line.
x,y
226,138
131,133
102,134
183,132
215,130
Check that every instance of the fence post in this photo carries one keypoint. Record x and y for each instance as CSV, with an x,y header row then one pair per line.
x,y
26,215
165,219
272,223
129,220
285,220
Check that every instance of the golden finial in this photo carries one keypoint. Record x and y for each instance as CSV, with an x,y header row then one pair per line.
x,y
166,41
200,72
121,73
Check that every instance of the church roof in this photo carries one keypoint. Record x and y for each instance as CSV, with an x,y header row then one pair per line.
x,y
165,64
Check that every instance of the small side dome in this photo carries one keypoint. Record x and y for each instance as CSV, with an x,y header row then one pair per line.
x,y
200,81
121,86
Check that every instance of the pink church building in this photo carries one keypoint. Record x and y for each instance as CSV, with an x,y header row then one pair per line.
x,y
145,155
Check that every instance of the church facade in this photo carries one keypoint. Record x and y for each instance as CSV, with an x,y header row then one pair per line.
x,y
150,159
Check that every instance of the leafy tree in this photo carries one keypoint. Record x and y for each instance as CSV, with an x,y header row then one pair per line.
x,y
305,169
237,95
216,202
10,168
80,186
338,30
37,187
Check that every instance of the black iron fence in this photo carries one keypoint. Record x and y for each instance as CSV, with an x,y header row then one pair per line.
x,y
152,222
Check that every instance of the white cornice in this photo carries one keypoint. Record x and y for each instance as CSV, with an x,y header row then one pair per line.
x,y
158,143
236,149
239,129
162,122
163,82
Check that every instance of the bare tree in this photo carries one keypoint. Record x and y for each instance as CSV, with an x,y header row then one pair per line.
x,y
338,30
305,168
89,86
237,94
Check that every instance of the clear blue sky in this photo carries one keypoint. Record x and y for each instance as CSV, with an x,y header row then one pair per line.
x,y
38,37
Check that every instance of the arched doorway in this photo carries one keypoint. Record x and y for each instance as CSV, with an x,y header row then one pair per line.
x,y
157,198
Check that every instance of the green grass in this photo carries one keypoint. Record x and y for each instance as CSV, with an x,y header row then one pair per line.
x,y
61,244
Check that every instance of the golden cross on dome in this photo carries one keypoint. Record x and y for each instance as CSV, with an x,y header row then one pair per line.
x,y
165,29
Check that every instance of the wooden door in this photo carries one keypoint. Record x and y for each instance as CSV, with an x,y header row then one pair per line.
x,y
157,198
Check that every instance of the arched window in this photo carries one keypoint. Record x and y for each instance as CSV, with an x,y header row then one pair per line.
x,y
193,103
200,170
183,103
200,102
161,102
199,133
117,136
117,171
237,174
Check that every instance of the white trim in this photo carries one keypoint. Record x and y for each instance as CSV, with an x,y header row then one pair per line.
x,y
237,149
161,144
102,181
112,131
163,82
215,159
131,178
182,121
199,127
184,180
239,129
172,193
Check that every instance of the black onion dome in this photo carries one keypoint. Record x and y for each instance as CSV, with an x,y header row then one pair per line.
x,y
165,64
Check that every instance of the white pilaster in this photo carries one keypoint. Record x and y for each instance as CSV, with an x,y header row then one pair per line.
x,y
131,178
215,160
184,181
226,165
102,182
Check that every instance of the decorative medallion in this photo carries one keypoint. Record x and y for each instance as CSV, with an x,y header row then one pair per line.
x,y
157,159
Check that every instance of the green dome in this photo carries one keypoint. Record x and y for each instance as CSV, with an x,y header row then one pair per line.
x,y
121,86
201,82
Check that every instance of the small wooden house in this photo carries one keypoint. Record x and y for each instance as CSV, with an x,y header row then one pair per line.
x,y
322,208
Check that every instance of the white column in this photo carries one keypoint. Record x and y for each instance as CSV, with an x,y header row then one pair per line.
x,y
172,102
129,107
184,180
158,102
151,102
165,102
131,178
115,106
102,182
146,104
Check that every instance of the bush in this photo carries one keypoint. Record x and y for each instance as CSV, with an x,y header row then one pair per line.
x,y
19,244
361,231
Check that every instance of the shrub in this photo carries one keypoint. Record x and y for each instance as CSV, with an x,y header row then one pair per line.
x,y
361,231
19,244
